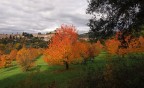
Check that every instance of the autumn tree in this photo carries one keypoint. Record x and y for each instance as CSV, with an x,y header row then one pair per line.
x,y
1,53
129,44
82,49
97,47
1,62
60,50
90,50
5,61
112,46
87,50
35,52
25,58
135,45
13,54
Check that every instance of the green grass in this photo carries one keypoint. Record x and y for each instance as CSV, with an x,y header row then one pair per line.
x,y
13,76
15,69
47,74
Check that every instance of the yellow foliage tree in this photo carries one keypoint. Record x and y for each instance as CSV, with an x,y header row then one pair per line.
x,y
25,58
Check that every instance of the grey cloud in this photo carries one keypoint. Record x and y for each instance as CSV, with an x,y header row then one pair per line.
x,y
42,15
77,19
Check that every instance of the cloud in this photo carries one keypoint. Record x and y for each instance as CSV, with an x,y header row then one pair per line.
x,y
42,15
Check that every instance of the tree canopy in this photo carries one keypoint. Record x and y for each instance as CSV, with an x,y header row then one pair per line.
x,y
61,49
109,16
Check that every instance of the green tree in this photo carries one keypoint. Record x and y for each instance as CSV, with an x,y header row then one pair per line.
x,y
109,16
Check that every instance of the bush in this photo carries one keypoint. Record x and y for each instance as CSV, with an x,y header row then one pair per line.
x,y
118,72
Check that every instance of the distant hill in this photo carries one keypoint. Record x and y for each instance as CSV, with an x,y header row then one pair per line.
x,y
84,35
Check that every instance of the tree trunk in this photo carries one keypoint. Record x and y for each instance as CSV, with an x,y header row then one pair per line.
x,y
84,61
67,65
92,59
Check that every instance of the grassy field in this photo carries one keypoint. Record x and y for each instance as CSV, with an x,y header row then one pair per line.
x,y
13,77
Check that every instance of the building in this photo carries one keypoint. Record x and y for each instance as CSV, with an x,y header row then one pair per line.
x,y
2,36
45,37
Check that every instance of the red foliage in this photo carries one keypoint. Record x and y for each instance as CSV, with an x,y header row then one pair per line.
x,y
61,49
129,44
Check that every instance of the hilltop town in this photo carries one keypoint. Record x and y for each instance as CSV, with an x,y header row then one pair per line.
x,y
45,37
42,36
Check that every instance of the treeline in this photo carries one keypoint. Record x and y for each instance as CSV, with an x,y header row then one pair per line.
x,y
65,48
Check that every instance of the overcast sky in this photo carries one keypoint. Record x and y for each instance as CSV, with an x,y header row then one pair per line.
x,y
42,15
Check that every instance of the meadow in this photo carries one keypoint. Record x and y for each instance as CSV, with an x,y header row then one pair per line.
x,y
69,62
102,72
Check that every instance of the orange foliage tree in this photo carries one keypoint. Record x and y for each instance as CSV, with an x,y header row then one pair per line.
x,y
97,47
13,54
1,64
132,45
82,50
60,50
26,57
129,44
112,46
5,61
88,51
135,45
